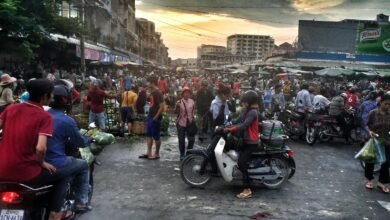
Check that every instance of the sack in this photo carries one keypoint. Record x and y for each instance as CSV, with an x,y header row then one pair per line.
x,y
367,153
192,129
102,138
380,154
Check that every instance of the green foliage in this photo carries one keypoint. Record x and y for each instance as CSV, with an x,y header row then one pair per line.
x,y
30,22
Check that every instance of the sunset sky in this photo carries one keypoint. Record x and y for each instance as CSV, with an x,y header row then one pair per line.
x,y
186,24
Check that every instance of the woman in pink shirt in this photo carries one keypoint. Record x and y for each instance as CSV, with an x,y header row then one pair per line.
x,y
184,109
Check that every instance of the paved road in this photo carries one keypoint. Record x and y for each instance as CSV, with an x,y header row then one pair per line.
x,y
329,184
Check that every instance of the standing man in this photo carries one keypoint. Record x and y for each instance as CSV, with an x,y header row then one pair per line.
x,y
128,108
95,99
219,107
303,102
154,119
204,97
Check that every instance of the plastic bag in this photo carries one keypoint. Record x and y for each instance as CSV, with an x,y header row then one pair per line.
x,y
367,153
102,138
380,155
87,155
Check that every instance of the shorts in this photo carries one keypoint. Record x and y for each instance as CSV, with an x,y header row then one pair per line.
x,y
127,115
153,128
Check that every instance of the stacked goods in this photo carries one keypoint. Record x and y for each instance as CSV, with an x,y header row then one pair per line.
x,y
272,135
139,125
81,120
164,124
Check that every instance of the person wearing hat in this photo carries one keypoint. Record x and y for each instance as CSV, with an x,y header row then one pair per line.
x,y
6,94
185,108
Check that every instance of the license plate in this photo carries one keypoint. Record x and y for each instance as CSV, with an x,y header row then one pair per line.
x,y
11,214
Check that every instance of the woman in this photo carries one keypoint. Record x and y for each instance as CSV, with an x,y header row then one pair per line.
x,y
378,125
366,107
6,94
184,109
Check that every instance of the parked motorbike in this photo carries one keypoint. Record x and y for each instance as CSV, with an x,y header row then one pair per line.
x,y
270,167
294,123
325,127
22,202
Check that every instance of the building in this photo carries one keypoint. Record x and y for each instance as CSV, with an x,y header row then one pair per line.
x,y
188,64
212,56
346,40
114,33
285,50
251,46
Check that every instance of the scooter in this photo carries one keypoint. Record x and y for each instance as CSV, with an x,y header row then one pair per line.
x,y
270,167
294,123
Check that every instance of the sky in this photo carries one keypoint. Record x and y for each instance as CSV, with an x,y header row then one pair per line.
x,y
186,24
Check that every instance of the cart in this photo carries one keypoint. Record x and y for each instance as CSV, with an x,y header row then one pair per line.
x,y
113,119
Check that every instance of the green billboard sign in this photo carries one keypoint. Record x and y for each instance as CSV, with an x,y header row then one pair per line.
x,y
373,39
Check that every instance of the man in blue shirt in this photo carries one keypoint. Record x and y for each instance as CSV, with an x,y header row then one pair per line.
x,y
66,135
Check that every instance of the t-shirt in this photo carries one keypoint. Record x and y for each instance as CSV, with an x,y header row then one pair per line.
x,y
128,98
155,99
236,88
162,86
65,134
95,96
22,124
127,82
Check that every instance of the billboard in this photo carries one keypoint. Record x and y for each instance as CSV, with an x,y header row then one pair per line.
x,y
373,38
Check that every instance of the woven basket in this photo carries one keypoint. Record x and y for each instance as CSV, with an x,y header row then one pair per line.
x,y
138,127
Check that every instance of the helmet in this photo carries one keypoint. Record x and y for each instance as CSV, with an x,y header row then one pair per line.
x,y
349,85
62,97
251,97
344,95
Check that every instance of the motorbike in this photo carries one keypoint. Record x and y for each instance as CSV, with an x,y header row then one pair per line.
x,y
22,202
268,166
294,123
325,127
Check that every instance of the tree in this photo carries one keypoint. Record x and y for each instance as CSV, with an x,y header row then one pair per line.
x,y
26,24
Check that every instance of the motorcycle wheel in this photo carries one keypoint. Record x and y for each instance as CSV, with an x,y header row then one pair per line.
x,y
284,168
291,162
311,135
190,171
322,136
377,167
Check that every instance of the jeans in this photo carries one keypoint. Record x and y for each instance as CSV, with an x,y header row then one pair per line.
x,y
181,134
384,175
243,160
79,170
100,117
60,187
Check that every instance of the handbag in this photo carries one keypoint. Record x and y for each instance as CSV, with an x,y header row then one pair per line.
x,y
191,127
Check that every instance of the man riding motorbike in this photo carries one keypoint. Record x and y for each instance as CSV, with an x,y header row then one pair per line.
x,y
247,123
66,136
26,128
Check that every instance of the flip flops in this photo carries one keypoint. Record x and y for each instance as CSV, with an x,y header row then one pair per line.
x,y
244,195
143,156
383,189
369,186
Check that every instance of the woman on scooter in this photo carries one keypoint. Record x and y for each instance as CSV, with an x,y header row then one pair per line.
x,y
247,123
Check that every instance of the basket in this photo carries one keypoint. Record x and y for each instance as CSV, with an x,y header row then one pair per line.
x,y
138,127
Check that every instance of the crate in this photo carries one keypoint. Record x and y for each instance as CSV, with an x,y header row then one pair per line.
x,y
139,127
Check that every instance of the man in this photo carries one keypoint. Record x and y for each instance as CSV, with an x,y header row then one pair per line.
x,y
95,98
219,107
154,119
303,101
203,102
128,107
352,100
107,82
66,136
162,85
26,128
320,103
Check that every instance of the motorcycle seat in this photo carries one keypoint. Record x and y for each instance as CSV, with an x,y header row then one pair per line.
x,y
23,187
296,115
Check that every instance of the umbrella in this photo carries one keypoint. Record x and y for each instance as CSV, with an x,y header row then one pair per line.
x,y
367,73
262,72
239,71
335,71
384,73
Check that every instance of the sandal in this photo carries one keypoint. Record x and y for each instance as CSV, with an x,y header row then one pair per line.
x,y
384,189
153,158
244,195
143,156
369,185
68,215
83,209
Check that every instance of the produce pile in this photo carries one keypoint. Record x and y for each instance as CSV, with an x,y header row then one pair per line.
x,y
164,124
81,120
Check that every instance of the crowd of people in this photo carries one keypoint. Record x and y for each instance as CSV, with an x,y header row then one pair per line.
x,y
201,101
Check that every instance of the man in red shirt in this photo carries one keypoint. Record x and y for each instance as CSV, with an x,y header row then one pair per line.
x,y
162,85
26,127
95,99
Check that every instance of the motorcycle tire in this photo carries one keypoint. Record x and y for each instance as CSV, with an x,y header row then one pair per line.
x,y
354,136
311,135
284,167
190,171
377,167
291,162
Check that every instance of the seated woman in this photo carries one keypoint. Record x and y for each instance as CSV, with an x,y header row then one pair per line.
x,y
66,135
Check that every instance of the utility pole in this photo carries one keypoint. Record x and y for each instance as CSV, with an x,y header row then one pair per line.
x,y
82,39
